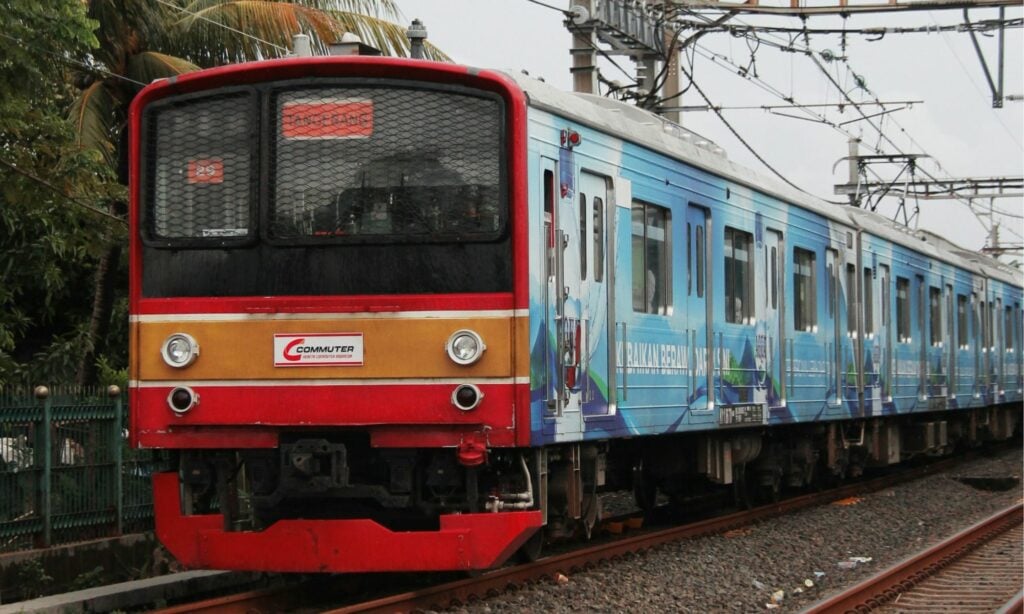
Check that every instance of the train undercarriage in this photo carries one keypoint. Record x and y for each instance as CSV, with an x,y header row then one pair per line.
x,y
338,476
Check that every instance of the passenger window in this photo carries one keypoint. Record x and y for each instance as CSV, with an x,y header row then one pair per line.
x,y
869,303
583,235
652,288
689,260
885,294
935,308
549,216
775,278
961,322
903,309
739,277
851,303
805,313
700,261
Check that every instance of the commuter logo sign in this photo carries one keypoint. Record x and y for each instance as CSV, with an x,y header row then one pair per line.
x,y
318,350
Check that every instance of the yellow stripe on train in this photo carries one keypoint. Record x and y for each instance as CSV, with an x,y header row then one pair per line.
x,y
286,348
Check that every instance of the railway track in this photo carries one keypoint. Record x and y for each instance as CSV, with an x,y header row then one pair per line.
x,y
467,590
976,570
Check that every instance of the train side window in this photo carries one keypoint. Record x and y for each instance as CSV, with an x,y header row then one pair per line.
x,y
997,323
700,261
903,309
935,308
961,322
886,290
831,286
652,290
983,331
1008,328
739,277
689,260
976,320
805,312
549,216
583,235
775,278
991,326
868,300
851,303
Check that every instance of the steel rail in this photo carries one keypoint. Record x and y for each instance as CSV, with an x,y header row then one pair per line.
x,y
888,585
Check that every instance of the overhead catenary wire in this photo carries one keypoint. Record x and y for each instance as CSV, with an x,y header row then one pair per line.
x,y
809,52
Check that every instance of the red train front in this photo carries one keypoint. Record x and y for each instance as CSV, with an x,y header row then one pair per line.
x,y
329,321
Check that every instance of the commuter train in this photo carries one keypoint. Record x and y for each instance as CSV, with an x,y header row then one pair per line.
x,y
401,315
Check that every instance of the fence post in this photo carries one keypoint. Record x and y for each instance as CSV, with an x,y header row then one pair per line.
x,y
115,393
43,393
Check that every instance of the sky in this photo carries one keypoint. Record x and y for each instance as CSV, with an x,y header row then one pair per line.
x,y
955,123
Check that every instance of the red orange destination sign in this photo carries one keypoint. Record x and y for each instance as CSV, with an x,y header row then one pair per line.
x,y
327,120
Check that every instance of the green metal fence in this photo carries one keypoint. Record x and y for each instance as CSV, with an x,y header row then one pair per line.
x,y
66,471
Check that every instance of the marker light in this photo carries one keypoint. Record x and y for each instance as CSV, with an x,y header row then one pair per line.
x,y
179,350
465,347
466,397
182,399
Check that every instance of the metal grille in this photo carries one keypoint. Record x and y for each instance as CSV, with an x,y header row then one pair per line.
x,y
391,164
200,169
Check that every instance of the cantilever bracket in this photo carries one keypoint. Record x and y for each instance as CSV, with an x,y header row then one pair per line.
x,y
997,90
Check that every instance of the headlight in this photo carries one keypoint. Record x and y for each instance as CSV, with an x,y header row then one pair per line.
x,y
180,350
465,347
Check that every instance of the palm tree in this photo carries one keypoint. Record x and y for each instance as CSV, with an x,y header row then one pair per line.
x,y
143,40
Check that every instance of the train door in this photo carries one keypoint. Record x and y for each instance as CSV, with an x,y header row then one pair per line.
x,y
771,338
698,309
593,367
834,346
562,299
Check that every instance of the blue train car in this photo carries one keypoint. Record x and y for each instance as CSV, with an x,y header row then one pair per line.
x,y
695,324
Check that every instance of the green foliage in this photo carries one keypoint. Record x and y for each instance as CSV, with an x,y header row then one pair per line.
x,y
32,579
90,579
47,238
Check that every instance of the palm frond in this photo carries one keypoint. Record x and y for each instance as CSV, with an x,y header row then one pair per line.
x,y
214,32
149,65
94,117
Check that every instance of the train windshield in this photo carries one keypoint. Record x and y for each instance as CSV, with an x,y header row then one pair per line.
x,y
385,165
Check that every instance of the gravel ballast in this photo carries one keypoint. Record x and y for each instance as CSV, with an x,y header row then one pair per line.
x,y
807,556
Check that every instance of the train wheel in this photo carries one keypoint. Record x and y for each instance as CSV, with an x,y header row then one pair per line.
x,y
769,493
645,490
742,493
532,549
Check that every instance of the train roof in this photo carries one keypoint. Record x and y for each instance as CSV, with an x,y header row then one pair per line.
x,y
642,127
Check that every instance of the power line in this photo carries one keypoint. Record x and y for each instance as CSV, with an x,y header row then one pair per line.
x,y
736,134
553,8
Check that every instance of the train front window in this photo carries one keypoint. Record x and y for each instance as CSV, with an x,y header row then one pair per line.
x,y
199,176
385,165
